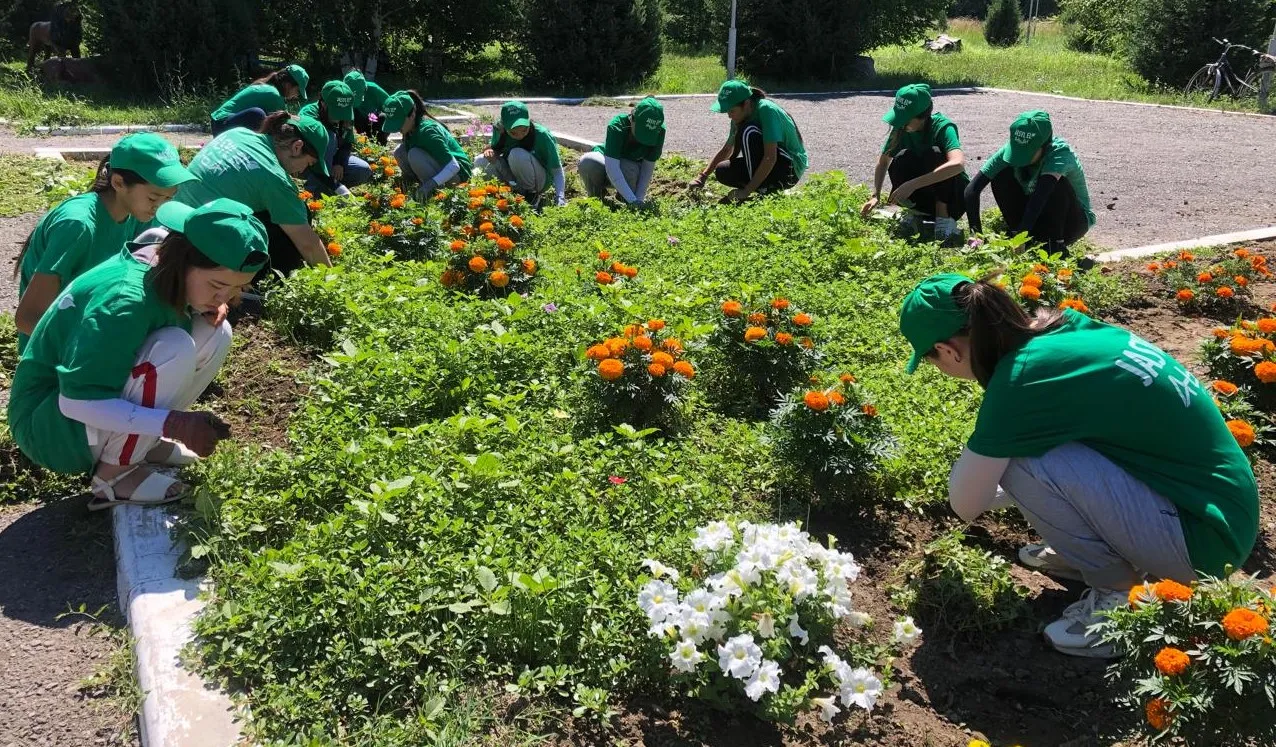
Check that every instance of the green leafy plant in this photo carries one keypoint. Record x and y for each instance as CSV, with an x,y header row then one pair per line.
x,y
1215,285
639,377
1002,24
767,349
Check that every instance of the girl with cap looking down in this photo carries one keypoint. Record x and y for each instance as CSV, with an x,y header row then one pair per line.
x,y
1111,449
626,159
764,150
368,98
249,107
256,169
922,154
524,154
428,152
106,383
141,173
335,111
1038,184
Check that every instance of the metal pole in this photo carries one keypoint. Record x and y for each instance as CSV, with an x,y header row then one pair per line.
x,y
731,45
1266,85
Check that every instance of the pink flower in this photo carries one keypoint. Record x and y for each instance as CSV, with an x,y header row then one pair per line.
x,y
615,480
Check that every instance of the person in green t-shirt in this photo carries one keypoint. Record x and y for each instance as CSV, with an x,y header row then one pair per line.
x,y
141,173
257,169
249,107
764,151
923,156
429,153
127,348
524,155
626,159
335,111
1111,449
1038,184
367,112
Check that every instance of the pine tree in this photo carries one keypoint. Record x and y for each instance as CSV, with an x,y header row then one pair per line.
x,y
1004,22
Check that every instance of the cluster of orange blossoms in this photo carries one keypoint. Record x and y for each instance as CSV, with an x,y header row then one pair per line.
x,y
821,400
1214,274
1031,287
761,324
384,165
614,271
659,358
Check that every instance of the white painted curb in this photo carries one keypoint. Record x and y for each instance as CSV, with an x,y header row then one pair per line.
x,y
117,129
574,143
1223,239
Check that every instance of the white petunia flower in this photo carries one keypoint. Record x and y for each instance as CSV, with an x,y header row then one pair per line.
x,y
906,631
739,656
828,708
712,538
841,566
766,625
685,656
841,670
694,626
704,601
663,629
859,619
796,631
861,689
766,679
798,580
839,604
660,570
658,599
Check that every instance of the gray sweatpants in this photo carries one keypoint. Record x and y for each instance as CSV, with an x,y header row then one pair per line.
x,y
1101,521
593,173
519,167
417,163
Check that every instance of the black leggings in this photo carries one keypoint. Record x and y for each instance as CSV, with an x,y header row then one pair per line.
x,y
909,165
284,255
1062,220
364,127
749,151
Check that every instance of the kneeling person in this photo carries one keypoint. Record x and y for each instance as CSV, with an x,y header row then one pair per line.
x,y
524,155
626,160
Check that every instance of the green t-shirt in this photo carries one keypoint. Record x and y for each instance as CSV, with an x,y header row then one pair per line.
x,y
373,98
1122,396
436,140
942,134
260,95
620,142
545,147
83,348
1059,159
241,164
345,134
778,127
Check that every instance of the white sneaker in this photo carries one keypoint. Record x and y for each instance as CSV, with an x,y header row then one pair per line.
x,y
1069,634
945,229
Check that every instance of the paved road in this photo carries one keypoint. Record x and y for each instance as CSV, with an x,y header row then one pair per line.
x,y
1168,174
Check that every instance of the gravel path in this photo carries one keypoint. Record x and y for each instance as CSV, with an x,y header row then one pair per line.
x,y
12,143
1155,174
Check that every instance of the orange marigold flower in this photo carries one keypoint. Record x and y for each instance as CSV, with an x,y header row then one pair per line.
x,y
603,278
476,204
499,279
491,236
397,201
491,189
618,267
869,410
1139,593
447,279
837,398
630,272
458,245
478,192
1040,268
1242,623
1225,292
1204,277
662,358
516,221
1226,388
1266,372
753,334
334,249
499,264
784,338
1241,280
1257,260
617,346
1065,274
1187,256
1184,295
1030,292
611,369
502,204
808,343
643,343
1266,325
1031,279
731,308
846,378
1171,662
597,352
504,244
1243,432
656,370
1158,713
1171,591
486,228
418,221
485,214
803,320
1220,333
633,330
529,266
469,230
477,264
1241,253
757,318
780,304
1153,267
315,205
440,196
1170,264
1075,304
604,255
684,369
386,230
655,325
816,400
305,195
673,345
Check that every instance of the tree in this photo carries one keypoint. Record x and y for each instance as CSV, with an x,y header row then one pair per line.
x,y
1004,23
167,45
697,24
1168,40
589,44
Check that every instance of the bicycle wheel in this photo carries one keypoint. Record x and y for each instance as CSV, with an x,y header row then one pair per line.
x,y
1249,86
1206,81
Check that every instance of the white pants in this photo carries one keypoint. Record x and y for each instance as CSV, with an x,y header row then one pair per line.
x,y
518,167
593,173
172,369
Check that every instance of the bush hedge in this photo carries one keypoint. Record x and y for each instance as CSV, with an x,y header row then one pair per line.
x,y
166,44
619,45
1004,24
1171,39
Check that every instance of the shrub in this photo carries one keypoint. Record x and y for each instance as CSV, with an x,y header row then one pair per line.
x,y
767,350
1242,360
1171,39
638,377
1098,26
1004,23
610,273
1217,286
621,47
1199,660
697,24
979,8
194,40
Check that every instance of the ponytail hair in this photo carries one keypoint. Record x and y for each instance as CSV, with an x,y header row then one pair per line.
x,y
756,94
278,79
997,324
418,105
279,128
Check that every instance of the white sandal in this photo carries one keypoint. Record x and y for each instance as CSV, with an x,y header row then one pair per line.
x,y
152,491
178,455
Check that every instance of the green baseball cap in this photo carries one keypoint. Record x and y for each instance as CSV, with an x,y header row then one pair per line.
x,y
649,121
731,93
930,314
1028,133
515,114
301,77
151,157
358,86
316,136
339,99
910,102
395,111
224,230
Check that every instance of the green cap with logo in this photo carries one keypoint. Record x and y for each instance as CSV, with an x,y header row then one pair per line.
x,y
358,86
395,111
301,77
515,114
910,102
732,93
224,230
151,157
1028,133
930,314
339,100
316,136
649,121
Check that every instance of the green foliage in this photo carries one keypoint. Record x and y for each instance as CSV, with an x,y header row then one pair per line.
x,y
1003,25
32,185
766,349
697,24
1096,25
620,45
158,44
962,591
1217,285
1171,39
979,8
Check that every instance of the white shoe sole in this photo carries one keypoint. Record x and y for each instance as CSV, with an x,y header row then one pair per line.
x,y
1029,561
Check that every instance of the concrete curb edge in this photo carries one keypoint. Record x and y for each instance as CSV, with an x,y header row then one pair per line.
x,y
1223,239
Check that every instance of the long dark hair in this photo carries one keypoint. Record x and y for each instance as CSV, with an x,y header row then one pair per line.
x,y
997,325
101,185
279,127
279,79
168,277
418,105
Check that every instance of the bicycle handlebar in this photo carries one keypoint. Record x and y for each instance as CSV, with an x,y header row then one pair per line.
x,y
1230,46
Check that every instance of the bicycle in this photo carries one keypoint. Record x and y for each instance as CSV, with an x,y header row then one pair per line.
x,y
1211,78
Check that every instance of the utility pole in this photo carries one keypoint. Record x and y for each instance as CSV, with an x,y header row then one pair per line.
x,y
731,44
1266,86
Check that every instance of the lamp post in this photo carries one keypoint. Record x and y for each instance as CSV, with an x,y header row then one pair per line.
x,y
731,44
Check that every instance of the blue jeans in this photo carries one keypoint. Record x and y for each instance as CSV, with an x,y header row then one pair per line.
x,y
356,171
250,118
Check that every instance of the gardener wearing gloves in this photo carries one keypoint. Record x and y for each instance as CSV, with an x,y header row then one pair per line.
x,y
335,111
1038,184
256,169
249,107
923,156
1145,479
428,152
764,150
367,109
523,154
142,172
126,350
627,158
